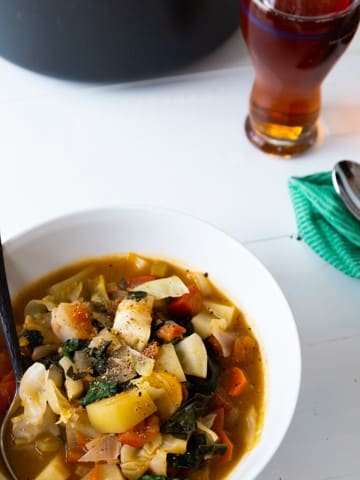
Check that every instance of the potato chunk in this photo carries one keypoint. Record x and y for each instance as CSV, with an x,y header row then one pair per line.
x,y
120,413
192,355
56,469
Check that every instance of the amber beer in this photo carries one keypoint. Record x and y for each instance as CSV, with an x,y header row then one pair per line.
x,y
293,45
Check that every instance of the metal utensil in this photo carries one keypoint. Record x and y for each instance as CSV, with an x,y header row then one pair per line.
x,y
346,181
12,343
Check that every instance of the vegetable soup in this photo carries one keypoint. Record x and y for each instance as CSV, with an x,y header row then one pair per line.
x,y
137,368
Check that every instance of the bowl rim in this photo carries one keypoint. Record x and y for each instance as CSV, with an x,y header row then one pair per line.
x,y
65,219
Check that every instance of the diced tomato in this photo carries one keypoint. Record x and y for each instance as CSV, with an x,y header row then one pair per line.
x,y
188,304
133,282
5,364
169,331
144,432
82,318
7,391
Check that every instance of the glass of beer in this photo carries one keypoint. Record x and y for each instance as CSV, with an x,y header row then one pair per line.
x,y
293,45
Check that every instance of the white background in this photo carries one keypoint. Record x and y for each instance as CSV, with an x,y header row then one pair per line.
x,y
179,142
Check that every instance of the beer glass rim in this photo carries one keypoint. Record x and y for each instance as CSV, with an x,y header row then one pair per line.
x,y
267,6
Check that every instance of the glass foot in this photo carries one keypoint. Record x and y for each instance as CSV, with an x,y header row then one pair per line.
x,y
281,140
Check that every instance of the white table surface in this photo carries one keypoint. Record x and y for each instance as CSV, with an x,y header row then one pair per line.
x,y
179,142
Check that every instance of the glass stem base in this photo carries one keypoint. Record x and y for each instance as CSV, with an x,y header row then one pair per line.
x,y
287,144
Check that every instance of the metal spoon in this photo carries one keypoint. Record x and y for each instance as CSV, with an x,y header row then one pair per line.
x,y
12,343
346,181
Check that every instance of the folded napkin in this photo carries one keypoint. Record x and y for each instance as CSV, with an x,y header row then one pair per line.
x,y
324,222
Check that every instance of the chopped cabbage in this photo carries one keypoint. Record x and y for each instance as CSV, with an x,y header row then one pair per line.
x,y
105,448
98,290
133,321
163,287
24,432
74,388
133,466
226,340
69,289
58,403
173,444
33,393
210,434
158,463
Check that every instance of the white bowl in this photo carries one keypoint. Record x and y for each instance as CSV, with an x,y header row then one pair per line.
x,y
162,233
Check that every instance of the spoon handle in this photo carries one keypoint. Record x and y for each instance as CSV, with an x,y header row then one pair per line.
x,y
7,321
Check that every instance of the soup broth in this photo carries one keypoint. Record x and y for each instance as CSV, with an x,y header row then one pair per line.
x,y
137,369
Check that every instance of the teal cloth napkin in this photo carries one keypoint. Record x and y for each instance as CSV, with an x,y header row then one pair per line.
x,y
324,223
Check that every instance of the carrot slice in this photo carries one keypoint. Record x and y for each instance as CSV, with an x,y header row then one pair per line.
x,y
235,382
227,456
218,427
144,432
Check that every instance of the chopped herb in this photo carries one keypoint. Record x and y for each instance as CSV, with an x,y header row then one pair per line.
x,y
137,295
198,452
69,347
34,337
99,390
183,421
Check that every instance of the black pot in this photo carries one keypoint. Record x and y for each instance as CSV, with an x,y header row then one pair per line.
x,y
112,40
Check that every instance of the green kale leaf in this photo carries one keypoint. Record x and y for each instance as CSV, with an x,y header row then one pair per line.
x,y
98,390
183,421
198,452
69,347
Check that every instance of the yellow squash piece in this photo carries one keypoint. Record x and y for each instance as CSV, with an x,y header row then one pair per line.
x,y
120,413
172,396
